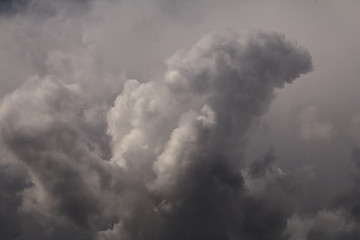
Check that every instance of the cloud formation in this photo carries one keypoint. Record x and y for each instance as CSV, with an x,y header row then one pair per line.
x,y
100,140
185,136
177,146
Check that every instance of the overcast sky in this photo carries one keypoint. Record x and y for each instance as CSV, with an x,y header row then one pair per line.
x,y
189,119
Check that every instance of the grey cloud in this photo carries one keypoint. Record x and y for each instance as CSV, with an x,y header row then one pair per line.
x,y
311,124
260,167
13,181
165,159
214,93
333,225
42,124
191,179
339,219
86,155
356,157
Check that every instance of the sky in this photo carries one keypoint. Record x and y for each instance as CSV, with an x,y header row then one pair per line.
x,y
192,119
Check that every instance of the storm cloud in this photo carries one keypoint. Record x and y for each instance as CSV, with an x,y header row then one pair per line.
x,y
145,120
185,136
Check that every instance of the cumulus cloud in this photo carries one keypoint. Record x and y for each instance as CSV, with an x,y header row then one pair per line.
x,y
42,125
88,155
185,135
178,145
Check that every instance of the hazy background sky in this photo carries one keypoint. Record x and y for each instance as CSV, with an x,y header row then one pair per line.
x,y
64,64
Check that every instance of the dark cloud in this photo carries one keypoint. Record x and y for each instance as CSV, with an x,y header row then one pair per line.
x,y
8,7
346,207
43,126
209,100
42,7
356,157
90,156
340,219
178,143
260,167
13,180
87,152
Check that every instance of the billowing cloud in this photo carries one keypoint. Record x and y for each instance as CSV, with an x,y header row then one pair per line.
x,y
100,140
177,143
184,136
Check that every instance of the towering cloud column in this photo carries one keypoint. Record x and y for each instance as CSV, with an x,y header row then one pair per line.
x,y
183,137
177,148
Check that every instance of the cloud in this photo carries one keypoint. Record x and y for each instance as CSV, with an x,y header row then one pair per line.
x,y
99,139
91,156
13,181
185,136
178,145
39,126
311,125
339,219
333,225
